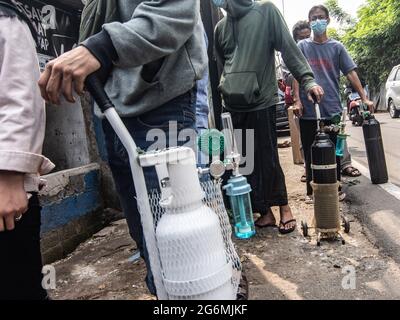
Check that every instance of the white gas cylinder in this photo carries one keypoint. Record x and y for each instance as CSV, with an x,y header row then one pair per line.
x,y
190,242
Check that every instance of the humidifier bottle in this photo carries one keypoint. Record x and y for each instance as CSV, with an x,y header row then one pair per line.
x,y
238,191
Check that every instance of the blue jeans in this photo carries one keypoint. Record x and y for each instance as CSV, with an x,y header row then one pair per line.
x,y
182,111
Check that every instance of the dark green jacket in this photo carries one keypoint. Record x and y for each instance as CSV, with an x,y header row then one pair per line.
x,y
246,41
95,14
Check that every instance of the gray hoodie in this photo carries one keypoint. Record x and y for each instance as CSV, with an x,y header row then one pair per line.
x,y
157,50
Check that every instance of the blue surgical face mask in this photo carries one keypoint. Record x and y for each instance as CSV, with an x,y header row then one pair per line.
x,y
220,3
319,26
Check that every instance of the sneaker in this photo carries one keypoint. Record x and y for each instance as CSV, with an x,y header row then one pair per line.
x,y
309,200
342,196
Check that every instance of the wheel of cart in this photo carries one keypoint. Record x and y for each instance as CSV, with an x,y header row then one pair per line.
x,y
304,228
346,224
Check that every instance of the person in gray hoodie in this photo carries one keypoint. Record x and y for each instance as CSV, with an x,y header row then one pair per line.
x,y
149,60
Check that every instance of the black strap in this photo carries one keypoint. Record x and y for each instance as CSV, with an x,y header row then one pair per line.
x,y
22,15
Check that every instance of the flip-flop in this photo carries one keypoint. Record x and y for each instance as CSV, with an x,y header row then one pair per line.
x,y
286,144
284,224
351,172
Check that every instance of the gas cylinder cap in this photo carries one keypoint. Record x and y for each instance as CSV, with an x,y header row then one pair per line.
x,y
322,136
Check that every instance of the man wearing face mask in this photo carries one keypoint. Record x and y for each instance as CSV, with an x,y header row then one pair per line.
x,y
328,58
246,41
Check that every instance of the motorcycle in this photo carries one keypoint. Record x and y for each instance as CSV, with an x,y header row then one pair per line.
x,y
354,108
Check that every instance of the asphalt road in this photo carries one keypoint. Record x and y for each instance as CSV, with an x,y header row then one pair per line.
x,y
391,137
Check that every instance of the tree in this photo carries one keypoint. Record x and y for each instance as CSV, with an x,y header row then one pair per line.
x,y
341,16
334,34
374,41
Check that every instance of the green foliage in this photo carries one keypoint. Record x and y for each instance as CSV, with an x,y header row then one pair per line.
x,y
338,13
374,41
334,34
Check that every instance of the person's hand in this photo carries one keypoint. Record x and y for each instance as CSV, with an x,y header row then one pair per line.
x,y
369,104
298,109
66,73
13,199
316,92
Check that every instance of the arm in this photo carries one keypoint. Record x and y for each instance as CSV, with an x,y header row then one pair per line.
x,y
157,29
298,106
352,76
348,68
291,54
217,47
22,109
21,118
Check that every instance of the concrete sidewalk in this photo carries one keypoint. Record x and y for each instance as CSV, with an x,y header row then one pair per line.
x,y
277,267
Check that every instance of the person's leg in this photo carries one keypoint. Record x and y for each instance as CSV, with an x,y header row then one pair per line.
x,y
262,163
119,164
346,164
308,130
278,196
304,176
267,179
181,111
333,136
346,160
21,261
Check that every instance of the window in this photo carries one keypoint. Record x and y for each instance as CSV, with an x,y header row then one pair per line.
x,y
397,78
392,74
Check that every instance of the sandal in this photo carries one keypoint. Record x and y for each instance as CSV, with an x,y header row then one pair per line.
x,y
286,144
282,225
309,200
351,172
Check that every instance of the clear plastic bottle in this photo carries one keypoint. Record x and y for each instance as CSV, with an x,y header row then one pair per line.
x,y
238,191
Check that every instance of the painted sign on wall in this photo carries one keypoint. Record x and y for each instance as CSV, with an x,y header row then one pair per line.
x,y
57,29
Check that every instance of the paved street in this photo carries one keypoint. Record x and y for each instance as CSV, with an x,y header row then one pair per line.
x,y
391,135
377,207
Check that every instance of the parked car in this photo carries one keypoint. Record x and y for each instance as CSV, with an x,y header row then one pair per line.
x,y
393,92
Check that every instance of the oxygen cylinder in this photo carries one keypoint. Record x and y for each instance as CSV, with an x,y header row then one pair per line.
x,y
324,166
190,241
325,184
375,150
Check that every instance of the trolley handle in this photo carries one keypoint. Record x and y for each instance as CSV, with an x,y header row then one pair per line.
x,y
317,108
96,89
